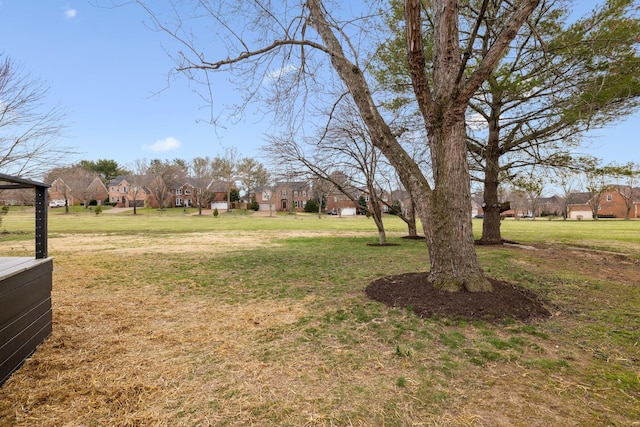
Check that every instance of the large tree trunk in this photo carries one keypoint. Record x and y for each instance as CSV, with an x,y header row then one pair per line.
x,y
492,209
446,215
412,228
376,213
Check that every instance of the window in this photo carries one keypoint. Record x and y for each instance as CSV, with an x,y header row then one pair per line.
x,y
295,204
266,195
385,198
178,201
295,193
187,192
284,193
366,198
335,199
609,197
178,191
304,193
124,189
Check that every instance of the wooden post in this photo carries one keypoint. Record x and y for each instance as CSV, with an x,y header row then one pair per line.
x,y
41,222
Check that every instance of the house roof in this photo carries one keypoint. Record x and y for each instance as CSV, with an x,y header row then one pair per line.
x,y
118,180
217,187
578,198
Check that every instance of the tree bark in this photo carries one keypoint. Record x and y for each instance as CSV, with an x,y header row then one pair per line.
x,y
491,221
446,215
412,228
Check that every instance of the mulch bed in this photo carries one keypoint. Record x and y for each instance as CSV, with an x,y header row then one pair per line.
x,y
414,291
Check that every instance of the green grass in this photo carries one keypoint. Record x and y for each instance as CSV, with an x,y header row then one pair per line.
x,y
603,234
175,220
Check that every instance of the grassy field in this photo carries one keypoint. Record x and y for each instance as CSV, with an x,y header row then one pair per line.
x,y
168,318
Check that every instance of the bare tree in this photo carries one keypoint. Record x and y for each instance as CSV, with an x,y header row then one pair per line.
x,y
596,185
29,131
138,180
77,181
201,177
627,176
344,146
442,95
321,188
567,180
399,202
252,174
225,170
532,184
268,193
164,177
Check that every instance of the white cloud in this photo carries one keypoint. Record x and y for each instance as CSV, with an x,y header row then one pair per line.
x,y
70,13
280,72
162,145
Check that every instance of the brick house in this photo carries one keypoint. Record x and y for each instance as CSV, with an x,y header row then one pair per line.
x,y
218,195
283,196
17,197
184,196
59,190
341,204
612,204
121,194
98,191
549,206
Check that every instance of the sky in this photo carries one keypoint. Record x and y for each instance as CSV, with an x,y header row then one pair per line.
x,y
110,73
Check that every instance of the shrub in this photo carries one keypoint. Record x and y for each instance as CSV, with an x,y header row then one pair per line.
x,y
98,210
311,206
215,213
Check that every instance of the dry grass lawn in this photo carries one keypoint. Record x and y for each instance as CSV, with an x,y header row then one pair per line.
x,y
133,348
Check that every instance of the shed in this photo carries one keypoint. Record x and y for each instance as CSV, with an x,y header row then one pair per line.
x,y
25,289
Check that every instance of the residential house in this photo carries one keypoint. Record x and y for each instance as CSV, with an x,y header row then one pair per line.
x,y
612,205
59,190
185,196
549,206
119,191
122,194
283,196
17,197
98,191
342,204
218,195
